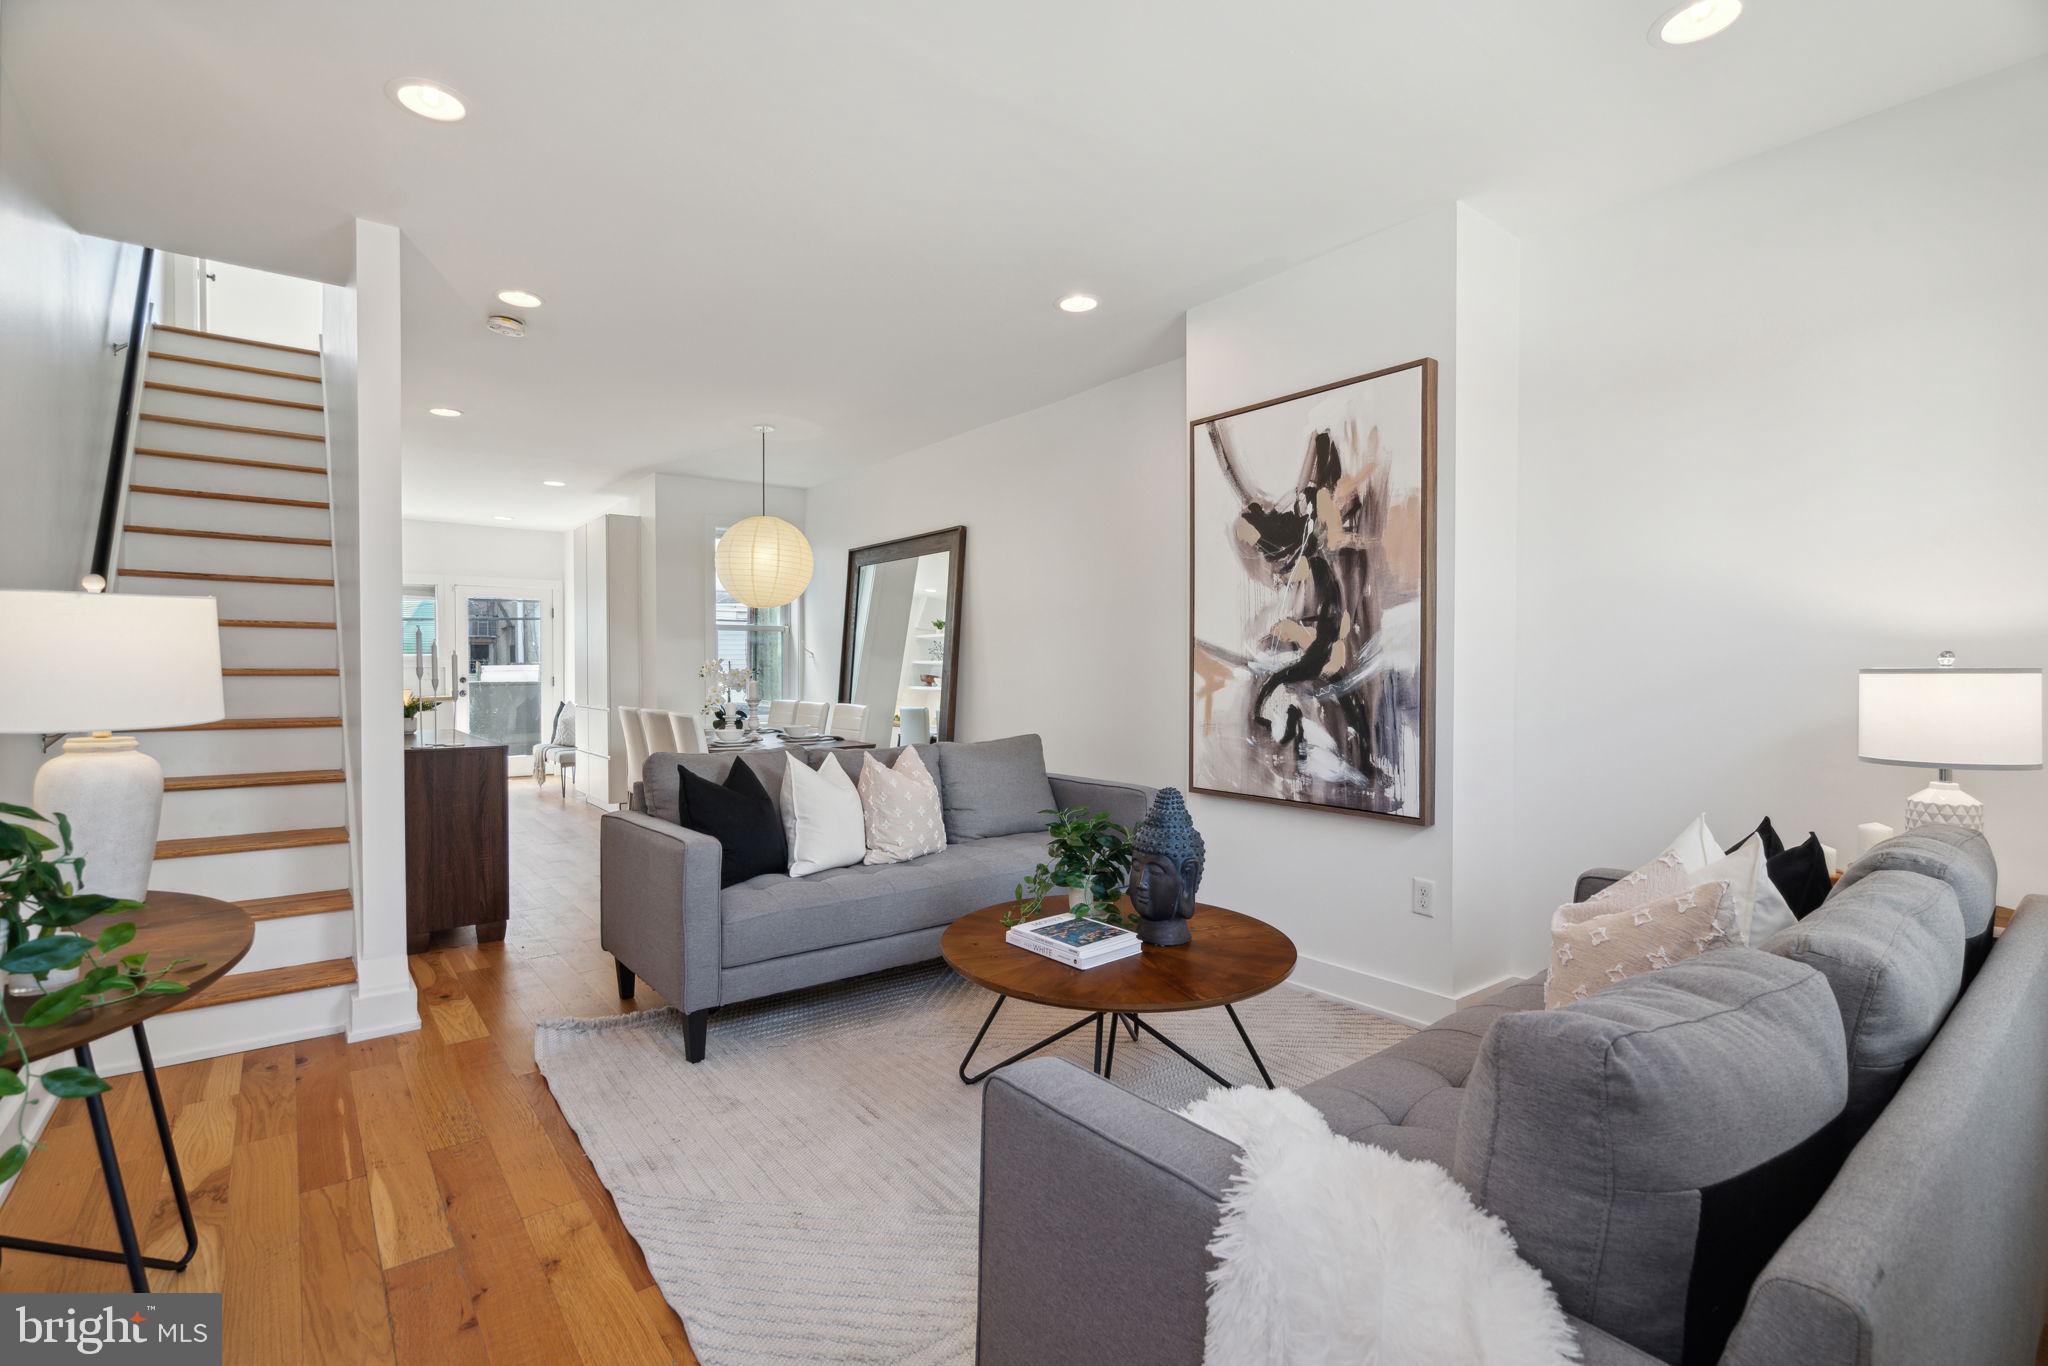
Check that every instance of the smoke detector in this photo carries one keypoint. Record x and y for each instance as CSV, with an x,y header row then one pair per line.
x,y
505,325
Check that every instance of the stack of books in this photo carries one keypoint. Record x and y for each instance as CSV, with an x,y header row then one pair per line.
x,y
1077,943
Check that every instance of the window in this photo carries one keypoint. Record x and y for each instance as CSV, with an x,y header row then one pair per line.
x,y
417,617
757,638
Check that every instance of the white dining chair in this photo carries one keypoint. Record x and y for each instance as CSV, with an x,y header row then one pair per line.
x,y
636,742
808,714
689,734
847,720
782,713
915,725
661,737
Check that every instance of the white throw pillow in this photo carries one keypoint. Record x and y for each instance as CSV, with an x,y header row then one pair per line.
x,y
1695,846
821,813
904,816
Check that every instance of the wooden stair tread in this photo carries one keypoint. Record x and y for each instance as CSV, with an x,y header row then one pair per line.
x,y
224,535
280,673
259,723
263,624
231,427
225,578
242,461
255,986
215,782
298,903
232,365
227,497
200,846
243,341
167,387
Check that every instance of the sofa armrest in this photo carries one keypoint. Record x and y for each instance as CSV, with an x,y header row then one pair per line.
x,y
1596,880
658,905
1126,803
1086,1187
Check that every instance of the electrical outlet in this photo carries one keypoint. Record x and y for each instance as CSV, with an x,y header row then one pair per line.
x,y
1422,897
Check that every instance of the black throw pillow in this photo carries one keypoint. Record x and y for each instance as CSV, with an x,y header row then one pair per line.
x,y
1801,875
1773,846
741,816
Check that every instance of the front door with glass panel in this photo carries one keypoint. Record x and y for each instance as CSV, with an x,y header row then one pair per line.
x,y
507,681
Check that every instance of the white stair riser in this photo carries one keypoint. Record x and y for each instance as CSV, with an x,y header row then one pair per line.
x,y
142,550
202,474
245,601
171,403
243,810
217,348
263,873
212,1031
247,445
215,514
228,381
283,696
245,751
265,647
300,939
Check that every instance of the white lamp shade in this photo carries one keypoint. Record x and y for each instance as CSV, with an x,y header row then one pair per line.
x,y
764,562
1949,718
107,661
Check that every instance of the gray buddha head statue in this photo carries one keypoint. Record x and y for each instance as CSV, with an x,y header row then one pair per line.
x,y
1167,856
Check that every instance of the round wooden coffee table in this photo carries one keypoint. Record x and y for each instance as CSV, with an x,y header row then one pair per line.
x,y
1228,958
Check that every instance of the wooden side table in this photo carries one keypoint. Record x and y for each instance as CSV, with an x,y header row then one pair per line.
x,y
458,861
216,934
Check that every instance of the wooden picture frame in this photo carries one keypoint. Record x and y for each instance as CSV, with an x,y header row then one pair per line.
x,y
951,540
1348,556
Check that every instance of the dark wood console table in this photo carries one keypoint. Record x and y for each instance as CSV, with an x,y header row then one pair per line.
x,y
215,934
458,868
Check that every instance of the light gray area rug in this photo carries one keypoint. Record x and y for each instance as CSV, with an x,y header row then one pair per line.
x,y
809,1191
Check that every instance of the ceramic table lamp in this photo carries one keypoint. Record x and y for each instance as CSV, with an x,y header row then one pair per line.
x,y
1947,718
92,662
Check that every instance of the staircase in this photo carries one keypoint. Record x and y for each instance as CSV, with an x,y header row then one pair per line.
x,y
228,497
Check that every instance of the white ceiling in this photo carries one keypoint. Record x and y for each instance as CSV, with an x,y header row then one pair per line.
x,y
853,220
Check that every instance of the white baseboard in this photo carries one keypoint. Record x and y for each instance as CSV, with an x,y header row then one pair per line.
x,y
37,1120
238,1027
1398,1000
376,1014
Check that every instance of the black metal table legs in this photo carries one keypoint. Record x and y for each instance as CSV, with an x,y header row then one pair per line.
x,y
1105,1061
117,1193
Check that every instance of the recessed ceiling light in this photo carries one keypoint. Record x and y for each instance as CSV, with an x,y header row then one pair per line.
x,y
428,99
505,325
1078,303
519,298
500,517
1694,22
445,412
554,483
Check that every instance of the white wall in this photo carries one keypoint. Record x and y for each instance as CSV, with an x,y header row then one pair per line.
x,y
261,306
65,300
1073,619
360,362
1782,422
436,552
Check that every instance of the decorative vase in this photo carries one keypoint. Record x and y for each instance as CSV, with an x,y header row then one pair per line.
x,y
1167,858
22,984
412,725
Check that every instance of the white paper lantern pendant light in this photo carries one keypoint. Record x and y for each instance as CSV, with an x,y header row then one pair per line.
x,y
764,561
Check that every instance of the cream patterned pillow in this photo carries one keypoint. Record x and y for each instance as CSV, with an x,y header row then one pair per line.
x,y
1591,951
902,810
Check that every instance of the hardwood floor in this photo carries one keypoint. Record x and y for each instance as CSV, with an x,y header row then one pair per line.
x,y
417,1198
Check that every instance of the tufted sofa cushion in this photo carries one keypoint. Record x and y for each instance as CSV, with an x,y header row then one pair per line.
x,y
1891,947
1947,853
1406,1098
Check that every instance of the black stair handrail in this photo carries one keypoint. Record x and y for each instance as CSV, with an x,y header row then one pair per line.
x,y
117,457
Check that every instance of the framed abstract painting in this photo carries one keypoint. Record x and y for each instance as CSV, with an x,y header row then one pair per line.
x,y
1313,534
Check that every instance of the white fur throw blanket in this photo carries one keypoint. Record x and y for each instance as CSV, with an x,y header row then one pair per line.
x,y
1331,1251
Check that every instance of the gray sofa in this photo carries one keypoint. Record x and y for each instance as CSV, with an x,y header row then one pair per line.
x,y
1827,1149
665,920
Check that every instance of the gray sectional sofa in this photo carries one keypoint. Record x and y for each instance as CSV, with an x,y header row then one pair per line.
x,y
1832,1148
665,920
